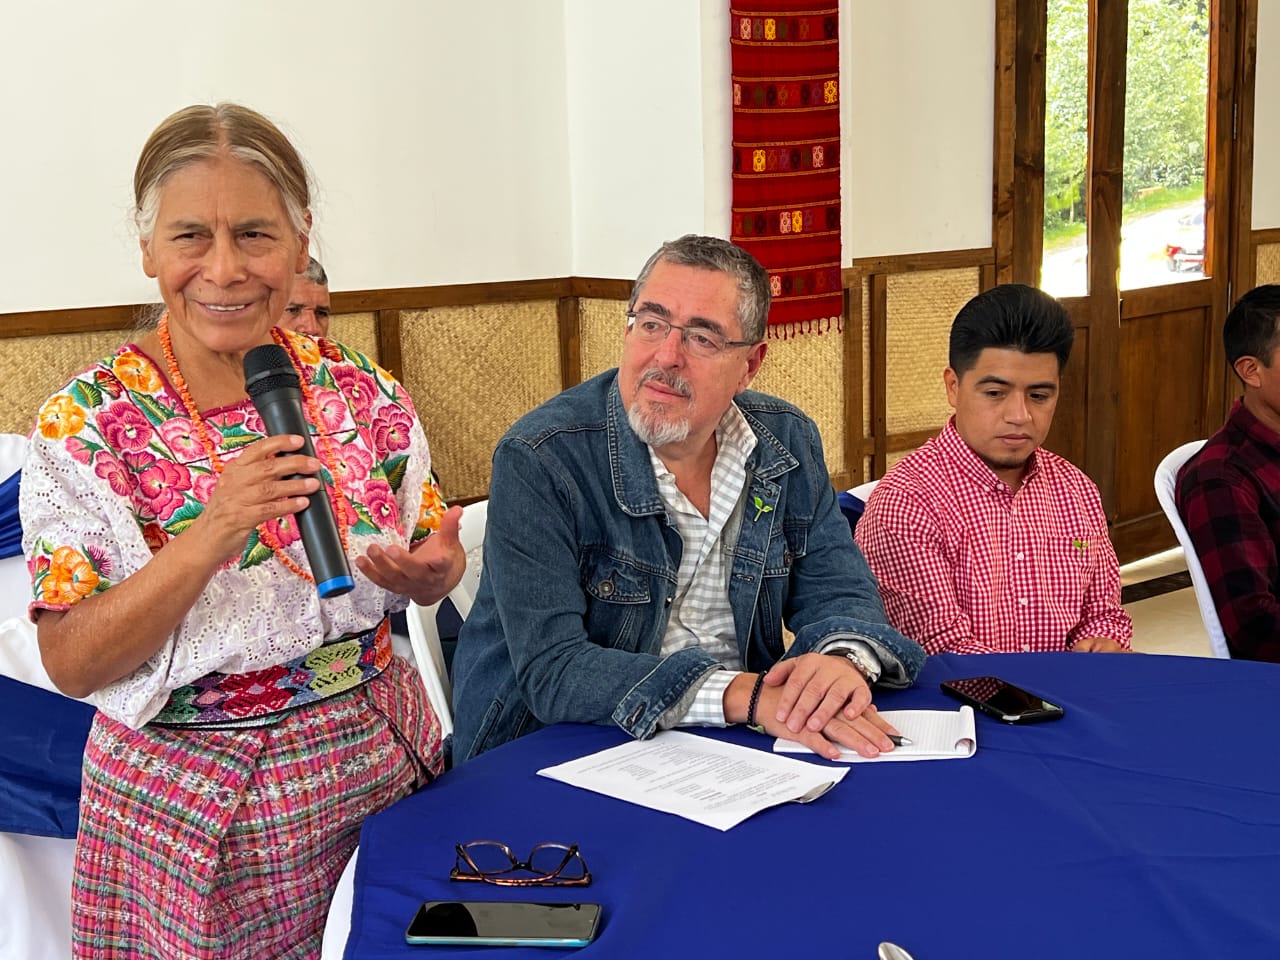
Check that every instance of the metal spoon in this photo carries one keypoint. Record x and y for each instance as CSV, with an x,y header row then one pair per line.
x,y
891,951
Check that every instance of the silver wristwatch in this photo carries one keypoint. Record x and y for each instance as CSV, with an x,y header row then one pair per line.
x,y
864,662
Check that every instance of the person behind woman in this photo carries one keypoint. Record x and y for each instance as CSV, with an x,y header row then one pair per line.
x,y
245,726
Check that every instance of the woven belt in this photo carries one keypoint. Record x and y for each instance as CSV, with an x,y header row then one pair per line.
x,y
254,699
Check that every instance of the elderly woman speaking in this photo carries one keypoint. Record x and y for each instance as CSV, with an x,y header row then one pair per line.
x,y
245,726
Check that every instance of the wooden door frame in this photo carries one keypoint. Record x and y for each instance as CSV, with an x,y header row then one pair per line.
x,y
1018,187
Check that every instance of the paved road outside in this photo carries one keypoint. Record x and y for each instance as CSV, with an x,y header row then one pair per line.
x,y
1142,259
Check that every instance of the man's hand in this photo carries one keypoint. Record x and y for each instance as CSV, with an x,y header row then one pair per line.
x,y
427,571
826,699
1098,645
817,687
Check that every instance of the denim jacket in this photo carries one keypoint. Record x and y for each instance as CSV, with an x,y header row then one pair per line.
x,y
580,569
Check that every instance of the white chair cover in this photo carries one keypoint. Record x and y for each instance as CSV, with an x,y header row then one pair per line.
x,y
1166,481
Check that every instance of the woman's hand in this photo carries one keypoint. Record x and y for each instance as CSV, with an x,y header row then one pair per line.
x,y
427,571
257,486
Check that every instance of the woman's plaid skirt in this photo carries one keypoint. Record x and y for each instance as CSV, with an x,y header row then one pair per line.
x,y
228,843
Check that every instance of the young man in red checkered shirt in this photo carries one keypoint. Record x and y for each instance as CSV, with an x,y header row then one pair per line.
x,y
1229,492
981,541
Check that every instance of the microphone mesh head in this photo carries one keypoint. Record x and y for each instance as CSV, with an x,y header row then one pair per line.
x,y
268,368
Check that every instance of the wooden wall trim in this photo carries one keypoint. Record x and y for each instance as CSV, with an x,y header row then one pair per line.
x,y
1002,173
879,331
449,295
39,323
1262,238
916,262
853,380
600,288
1031,39
387,323
569,321
1108,46
900,442
1242,254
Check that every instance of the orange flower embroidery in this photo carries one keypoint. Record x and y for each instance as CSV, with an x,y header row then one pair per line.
x,y
71,577
60,417
308,350
432,508
136,373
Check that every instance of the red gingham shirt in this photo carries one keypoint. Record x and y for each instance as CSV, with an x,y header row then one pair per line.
x,y
965,565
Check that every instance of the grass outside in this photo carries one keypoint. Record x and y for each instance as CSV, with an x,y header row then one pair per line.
x,y
1058,236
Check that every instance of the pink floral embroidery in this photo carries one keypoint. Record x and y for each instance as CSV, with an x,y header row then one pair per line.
x,y
202,485
113,471
181,439
381,504
358,387
284,529
354,466
160,487
391,430
124,427
331,407
78,450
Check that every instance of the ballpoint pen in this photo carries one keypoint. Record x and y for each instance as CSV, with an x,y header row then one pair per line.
x,y
899,741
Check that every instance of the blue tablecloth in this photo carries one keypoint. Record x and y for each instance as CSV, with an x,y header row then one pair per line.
x,y
1145,823
10,521
42,737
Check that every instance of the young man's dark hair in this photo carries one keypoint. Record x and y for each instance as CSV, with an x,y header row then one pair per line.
x,y
1011,316
1250,330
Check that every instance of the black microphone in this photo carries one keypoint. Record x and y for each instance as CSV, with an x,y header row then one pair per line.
x,y
274,388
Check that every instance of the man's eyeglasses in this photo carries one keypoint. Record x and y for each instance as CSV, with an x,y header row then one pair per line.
x,y
548,865
649,327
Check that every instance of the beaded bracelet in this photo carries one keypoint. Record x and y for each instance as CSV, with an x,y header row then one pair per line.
x,y
751,707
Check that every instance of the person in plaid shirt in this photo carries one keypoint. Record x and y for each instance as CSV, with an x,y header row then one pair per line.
x,y
1227,493
981,541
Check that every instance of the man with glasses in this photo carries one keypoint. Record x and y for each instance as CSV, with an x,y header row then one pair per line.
x,y
651,530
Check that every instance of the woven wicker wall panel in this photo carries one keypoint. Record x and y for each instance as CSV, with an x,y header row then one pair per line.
x,y
601,327
1268,264
37,366
472,371
920,308
359,331
809,371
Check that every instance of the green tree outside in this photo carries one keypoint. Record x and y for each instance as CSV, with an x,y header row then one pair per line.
x,y
1165,107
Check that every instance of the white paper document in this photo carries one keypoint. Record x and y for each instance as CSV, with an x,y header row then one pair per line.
x,y
700,779
934,735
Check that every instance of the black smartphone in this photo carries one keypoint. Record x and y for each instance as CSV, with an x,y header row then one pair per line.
x,y
1002,699
504,923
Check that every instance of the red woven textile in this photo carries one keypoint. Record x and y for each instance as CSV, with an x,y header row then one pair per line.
x,y
785,59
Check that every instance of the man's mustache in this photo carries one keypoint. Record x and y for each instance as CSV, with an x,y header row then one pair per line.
x,y
667,379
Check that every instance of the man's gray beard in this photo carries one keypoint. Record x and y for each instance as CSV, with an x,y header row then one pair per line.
x,y
654,430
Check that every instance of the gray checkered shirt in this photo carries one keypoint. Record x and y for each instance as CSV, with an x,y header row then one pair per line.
x,y
700,612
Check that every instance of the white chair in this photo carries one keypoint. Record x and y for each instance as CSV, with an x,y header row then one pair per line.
x,y
1166,482
424,632
863,490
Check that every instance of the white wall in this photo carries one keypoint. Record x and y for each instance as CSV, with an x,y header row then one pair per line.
x,y
918,132
1266,121
464,142
636,152
436,131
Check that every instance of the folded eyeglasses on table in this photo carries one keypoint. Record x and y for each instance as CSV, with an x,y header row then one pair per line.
x,y
548,865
